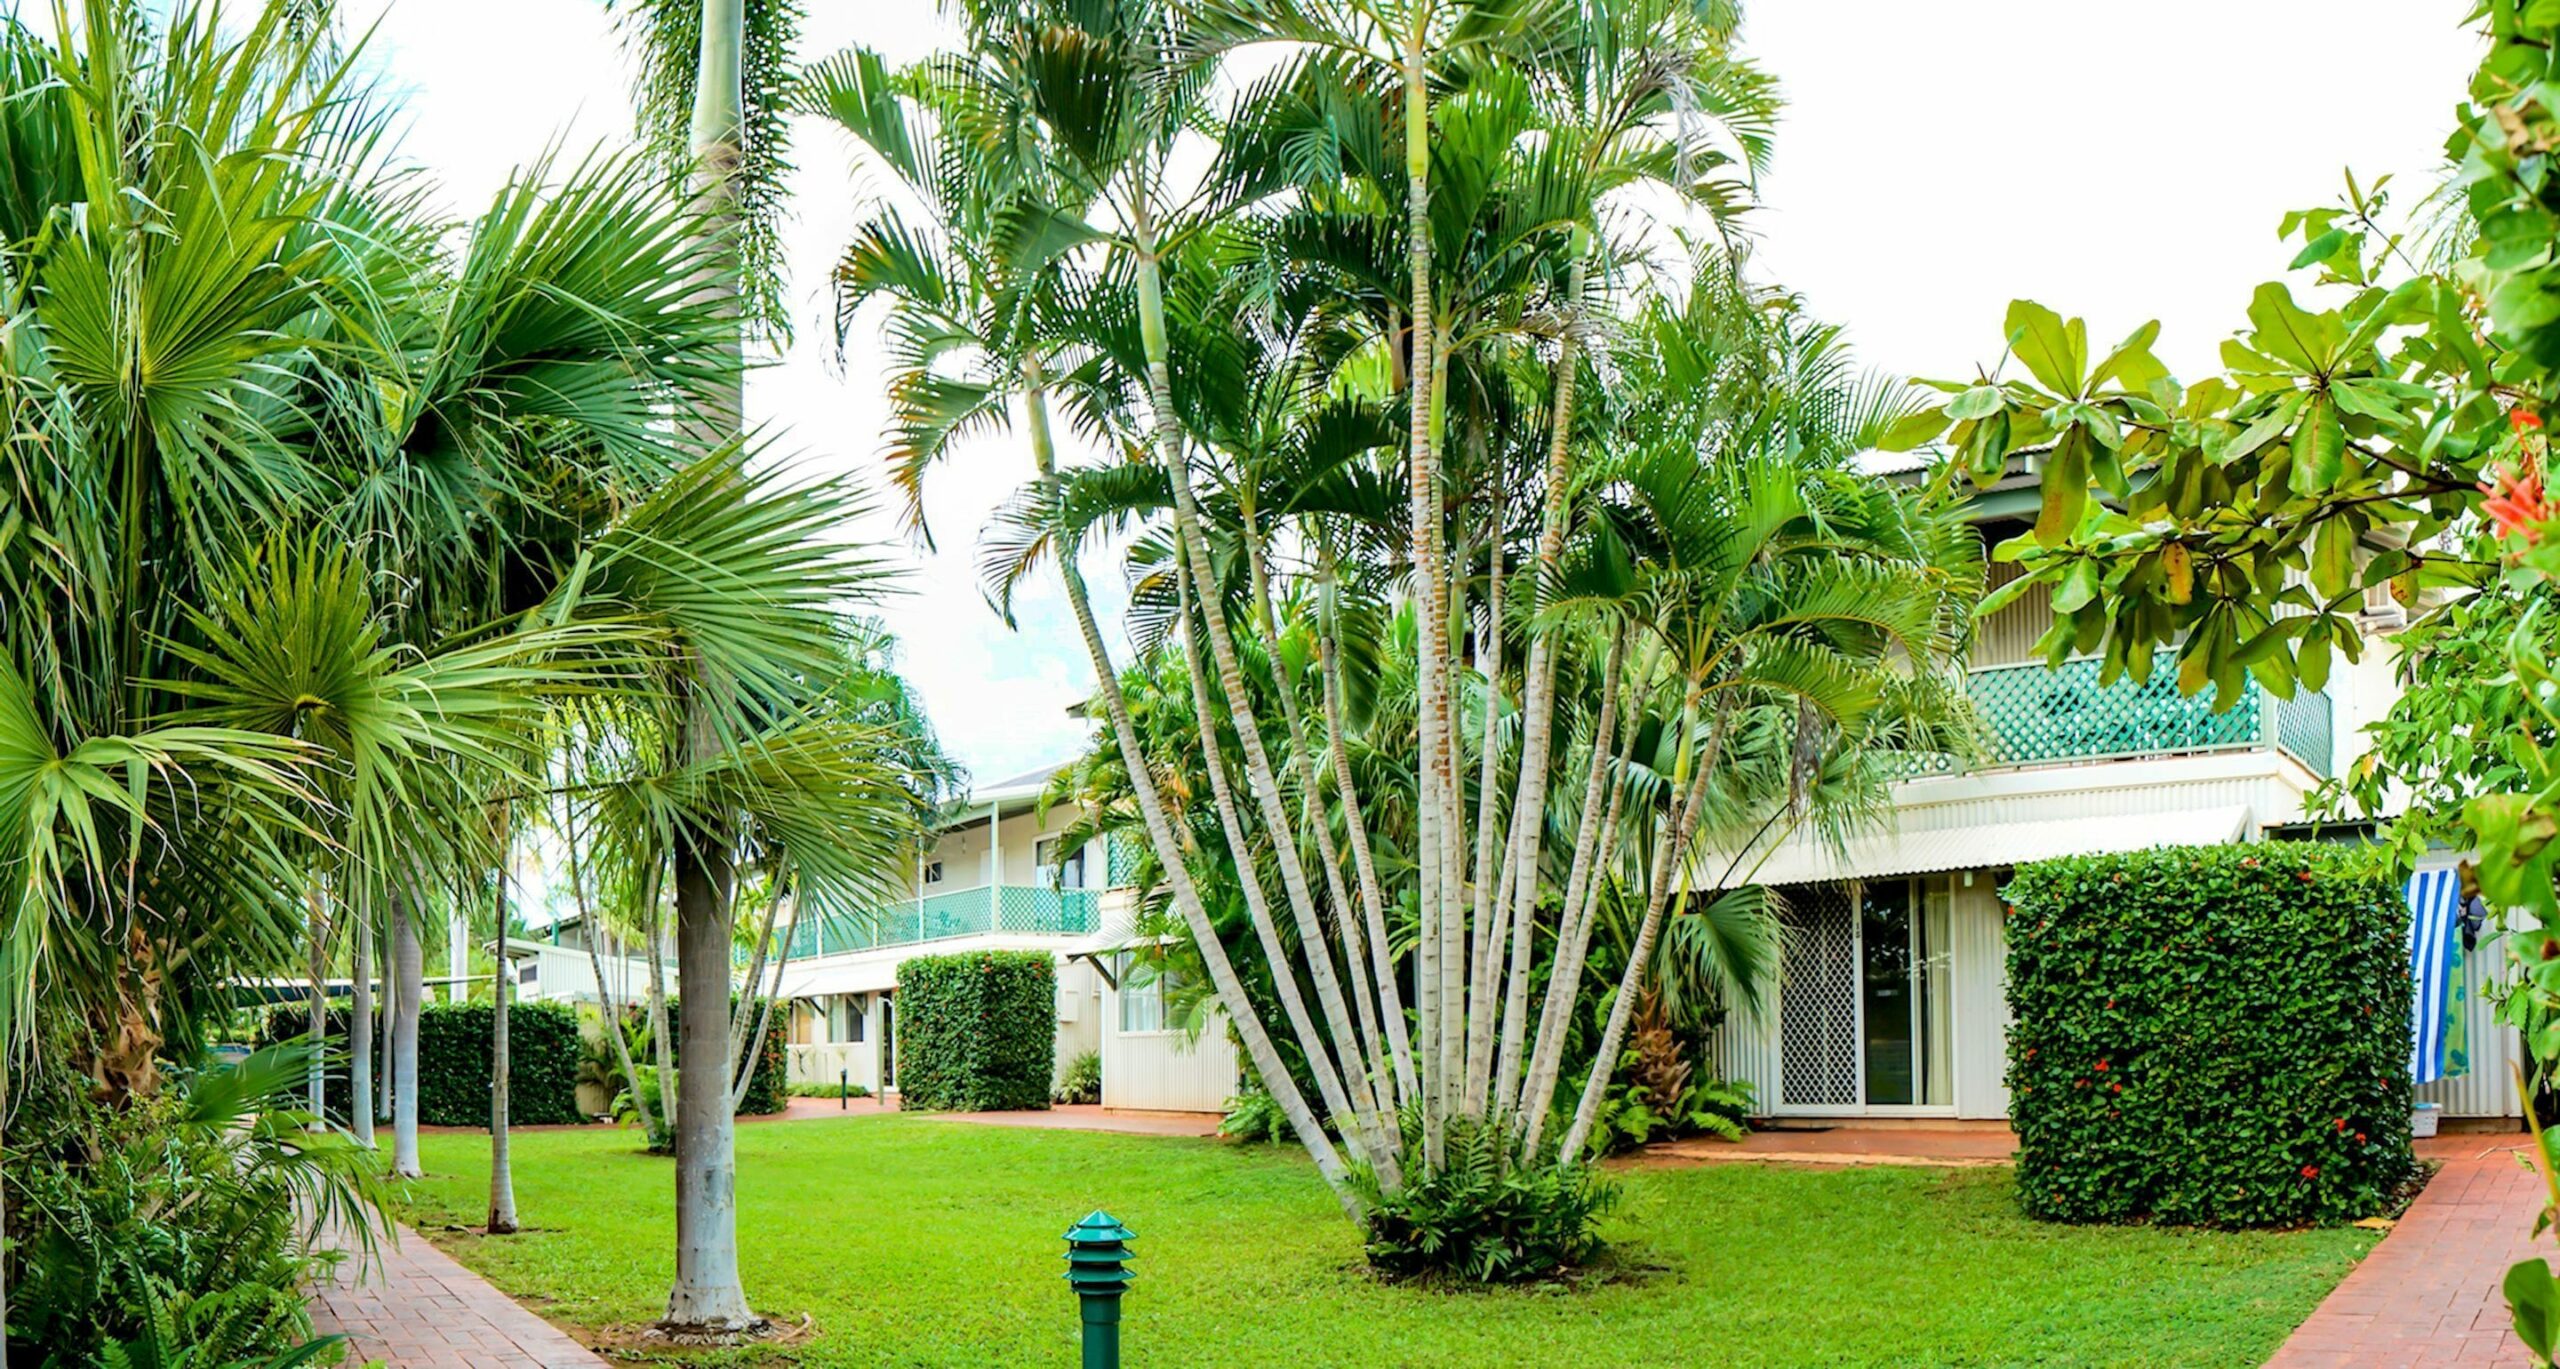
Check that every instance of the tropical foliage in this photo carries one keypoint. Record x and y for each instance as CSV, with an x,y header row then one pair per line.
x,y
1491,585
2388,438
328,518
188,1218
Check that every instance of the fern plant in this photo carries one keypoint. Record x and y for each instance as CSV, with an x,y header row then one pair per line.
x,y
1492,1214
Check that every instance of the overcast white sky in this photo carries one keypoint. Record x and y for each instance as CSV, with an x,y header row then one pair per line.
x,y
2118,162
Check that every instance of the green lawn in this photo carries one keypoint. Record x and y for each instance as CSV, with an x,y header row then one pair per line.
x,y
915,1241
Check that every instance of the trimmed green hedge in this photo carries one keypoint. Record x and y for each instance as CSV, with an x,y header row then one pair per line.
x,y
2211,1036
766,1091
977,1032
453,1060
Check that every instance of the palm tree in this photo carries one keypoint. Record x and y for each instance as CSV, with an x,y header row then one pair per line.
x,y
1244,341
351,511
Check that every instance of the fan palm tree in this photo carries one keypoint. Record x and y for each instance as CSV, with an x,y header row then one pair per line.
x,y
314,517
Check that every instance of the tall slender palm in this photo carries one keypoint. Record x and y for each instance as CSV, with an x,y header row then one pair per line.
x,y
1311,283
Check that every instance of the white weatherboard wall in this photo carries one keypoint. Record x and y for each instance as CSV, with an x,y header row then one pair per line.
x,y
1167,1071
2488,1088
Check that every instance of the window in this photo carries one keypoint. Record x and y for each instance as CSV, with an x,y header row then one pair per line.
x,y
531,969
856,1015
1058,871
933,872
1142,987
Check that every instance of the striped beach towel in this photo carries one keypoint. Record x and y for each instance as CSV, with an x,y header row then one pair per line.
x,y
2436,1010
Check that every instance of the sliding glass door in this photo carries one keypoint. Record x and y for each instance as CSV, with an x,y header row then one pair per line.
x,y
1864,1019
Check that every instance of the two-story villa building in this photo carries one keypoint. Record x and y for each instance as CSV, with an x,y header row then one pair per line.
x,y
1003,875
1892,1000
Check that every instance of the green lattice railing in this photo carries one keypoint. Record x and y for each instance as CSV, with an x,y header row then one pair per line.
x,y
2032,715
959,912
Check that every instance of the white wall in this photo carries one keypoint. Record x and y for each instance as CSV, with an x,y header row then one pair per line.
x,y
963,848
1169,1071
1080,1002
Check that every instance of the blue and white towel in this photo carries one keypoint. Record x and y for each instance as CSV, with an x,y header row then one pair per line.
x,y
2437,1009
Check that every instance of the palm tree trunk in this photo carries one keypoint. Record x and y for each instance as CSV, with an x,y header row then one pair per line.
x,y
1447,791
1377,1075
1581,907
1284,977
1587,838
385,1024
708,1295
661,1040
315,1081
1259,775
1671,851
1537,724
1355,826
360,1027
1186,895
410,974
502,1174
1431,677
1484,958
745,1055
595,961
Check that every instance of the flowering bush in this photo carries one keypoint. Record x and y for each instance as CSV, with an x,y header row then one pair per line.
x,y
978,1031
2215,1036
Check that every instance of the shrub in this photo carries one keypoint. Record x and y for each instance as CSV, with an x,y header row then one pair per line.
x,y
977,1032
2214,1036
1490,1215
169,1219
544,1056
1254,1118
1082,1082
766,1087
830,1089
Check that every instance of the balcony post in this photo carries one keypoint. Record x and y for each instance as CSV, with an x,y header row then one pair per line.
x,y
995,863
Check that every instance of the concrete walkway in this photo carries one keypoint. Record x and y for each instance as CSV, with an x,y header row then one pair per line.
x,y
414,1308
2429,1293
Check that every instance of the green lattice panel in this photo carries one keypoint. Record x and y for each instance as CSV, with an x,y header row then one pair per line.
x,y
2303,728
2035,714
1120,861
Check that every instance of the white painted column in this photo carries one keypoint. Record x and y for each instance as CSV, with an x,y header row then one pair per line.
x,y
995,864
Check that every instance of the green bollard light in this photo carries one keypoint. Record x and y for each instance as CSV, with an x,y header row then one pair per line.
x,y
1097,1250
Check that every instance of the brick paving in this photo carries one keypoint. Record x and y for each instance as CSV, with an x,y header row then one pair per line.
x,y
414,1308
1959,1145
2428,1294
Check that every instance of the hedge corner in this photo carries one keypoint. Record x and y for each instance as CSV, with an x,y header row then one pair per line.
x,y
977,1032
2212,1036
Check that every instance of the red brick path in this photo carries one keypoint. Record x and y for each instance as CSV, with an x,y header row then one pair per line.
x,y
2428,1294
414,1308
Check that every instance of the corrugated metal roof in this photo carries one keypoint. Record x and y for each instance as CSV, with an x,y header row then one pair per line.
x,y
1810,860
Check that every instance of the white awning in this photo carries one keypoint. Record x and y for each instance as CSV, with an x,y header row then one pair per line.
x,y
819,978
1811,860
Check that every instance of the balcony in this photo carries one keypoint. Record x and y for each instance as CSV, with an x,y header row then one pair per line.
x,y
2032,715
1010,909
